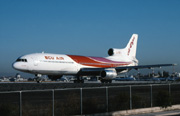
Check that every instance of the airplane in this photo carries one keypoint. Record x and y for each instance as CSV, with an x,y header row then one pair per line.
x,y
107,68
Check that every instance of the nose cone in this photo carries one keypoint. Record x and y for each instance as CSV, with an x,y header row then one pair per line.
x,y
19,66
16,65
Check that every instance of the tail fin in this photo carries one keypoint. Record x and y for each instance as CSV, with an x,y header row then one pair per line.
x,y
132,46
129,52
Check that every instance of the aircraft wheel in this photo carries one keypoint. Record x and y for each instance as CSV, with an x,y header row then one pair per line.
x,y
102,81
106,81
79,81
39,81
82,81
38,78
75,81
110,81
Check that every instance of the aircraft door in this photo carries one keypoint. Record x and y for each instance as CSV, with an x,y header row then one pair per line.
x,y
35,61
76,66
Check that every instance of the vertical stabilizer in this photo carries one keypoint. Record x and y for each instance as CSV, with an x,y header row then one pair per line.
x,y
127,53
132,46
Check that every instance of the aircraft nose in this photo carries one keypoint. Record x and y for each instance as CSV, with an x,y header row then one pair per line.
x,y
20,66
16,65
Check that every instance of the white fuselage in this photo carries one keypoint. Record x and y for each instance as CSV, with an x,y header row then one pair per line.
x,y
58,64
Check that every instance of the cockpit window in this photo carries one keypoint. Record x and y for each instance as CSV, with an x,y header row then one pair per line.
x,y
21,60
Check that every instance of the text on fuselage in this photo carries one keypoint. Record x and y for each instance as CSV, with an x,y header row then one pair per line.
x,y
53,58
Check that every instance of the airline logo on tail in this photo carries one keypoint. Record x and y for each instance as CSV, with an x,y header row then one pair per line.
x,y
130,46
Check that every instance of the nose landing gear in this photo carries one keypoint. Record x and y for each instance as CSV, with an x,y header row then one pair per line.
x,y
38,78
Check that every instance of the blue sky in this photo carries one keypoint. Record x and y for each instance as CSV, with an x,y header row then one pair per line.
x,y
89,27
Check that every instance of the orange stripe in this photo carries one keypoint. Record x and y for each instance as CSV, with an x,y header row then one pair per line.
x,y
89,62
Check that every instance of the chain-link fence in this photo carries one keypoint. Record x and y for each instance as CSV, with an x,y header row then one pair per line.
x,y
77,101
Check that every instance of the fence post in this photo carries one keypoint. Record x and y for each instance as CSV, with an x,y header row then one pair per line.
x,y
81,101
169,89
20,103
151,95
107,104
130,97
170,93
53,102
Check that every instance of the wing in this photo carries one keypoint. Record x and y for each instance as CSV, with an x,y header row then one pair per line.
x,y
144,66
97,71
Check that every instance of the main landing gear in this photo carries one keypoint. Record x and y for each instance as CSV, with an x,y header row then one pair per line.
x,y
79,80
106,81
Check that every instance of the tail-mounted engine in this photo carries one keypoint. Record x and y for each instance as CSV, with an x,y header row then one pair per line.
x,y
114,51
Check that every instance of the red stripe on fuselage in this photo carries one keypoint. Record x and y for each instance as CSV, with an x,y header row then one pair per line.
x,y
89,61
